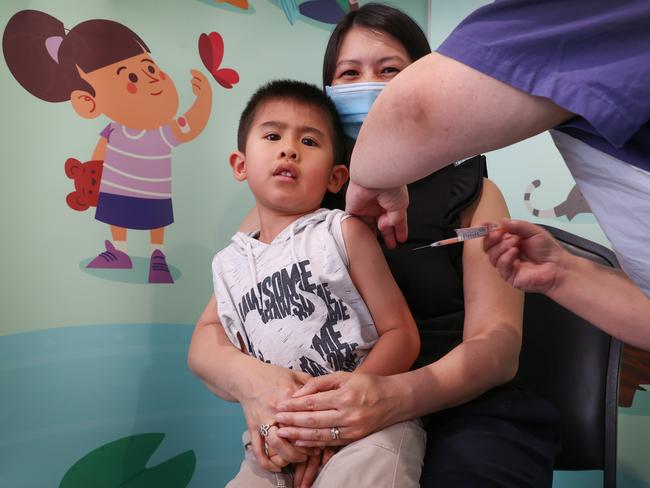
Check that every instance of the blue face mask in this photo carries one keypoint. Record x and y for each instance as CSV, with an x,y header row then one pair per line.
x,y
353,102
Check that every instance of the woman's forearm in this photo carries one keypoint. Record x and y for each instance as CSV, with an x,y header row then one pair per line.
x,y
470,369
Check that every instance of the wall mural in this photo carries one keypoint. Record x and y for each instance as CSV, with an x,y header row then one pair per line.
x,y
326,11
123,463
100,397
102,67
570,208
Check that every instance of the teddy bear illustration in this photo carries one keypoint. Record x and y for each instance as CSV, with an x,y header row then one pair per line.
x,y
86,177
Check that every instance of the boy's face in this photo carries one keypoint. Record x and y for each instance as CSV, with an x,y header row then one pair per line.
x,y
288,159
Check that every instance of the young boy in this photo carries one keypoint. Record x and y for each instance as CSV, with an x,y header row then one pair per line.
x,y
311,290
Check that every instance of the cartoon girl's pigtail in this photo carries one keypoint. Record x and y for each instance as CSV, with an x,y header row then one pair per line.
x,y
52,45
45,58
31,44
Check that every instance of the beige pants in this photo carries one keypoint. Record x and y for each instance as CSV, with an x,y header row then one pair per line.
x,y
390,458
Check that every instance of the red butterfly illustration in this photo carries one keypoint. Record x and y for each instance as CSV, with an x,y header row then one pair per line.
x,y
211,52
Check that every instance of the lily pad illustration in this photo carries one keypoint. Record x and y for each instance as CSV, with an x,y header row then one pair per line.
x,y
121,463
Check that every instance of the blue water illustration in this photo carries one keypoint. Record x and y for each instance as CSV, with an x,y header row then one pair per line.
x,y
67,391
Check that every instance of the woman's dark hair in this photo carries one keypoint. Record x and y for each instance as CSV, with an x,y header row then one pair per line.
x,y
52,76
380,18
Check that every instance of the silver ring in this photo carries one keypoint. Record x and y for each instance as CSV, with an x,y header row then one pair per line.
x,y
335,433
264,429
266,449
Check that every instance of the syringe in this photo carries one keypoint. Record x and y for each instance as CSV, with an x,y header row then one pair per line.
x,y
464,235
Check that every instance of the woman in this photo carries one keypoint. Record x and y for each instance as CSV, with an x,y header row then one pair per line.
x,y
470,321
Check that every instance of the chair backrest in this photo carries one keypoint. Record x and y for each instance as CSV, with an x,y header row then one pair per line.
x,y
575,366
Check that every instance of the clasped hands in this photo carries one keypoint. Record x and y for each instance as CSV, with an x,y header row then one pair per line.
x,y
268,386
305,472
309,413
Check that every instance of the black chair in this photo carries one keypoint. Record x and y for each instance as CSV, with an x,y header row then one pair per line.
x,y
575,366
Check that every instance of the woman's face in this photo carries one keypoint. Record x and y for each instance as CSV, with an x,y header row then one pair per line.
x,y
367,55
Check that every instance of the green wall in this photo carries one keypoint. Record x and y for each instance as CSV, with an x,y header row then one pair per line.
x,y
90,359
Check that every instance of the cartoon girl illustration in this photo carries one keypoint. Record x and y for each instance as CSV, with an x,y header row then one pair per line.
x,y
103,67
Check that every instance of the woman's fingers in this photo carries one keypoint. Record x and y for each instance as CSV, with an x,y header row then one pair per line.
x,y
300,377
319,384
318,402
323,444
311,471
318,434
283,449
328,452
258,449
319,419
309,451
298,474
278,460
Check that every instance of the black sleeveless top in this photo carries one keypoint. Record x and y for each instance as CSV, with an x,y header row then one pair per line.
x,y
431,279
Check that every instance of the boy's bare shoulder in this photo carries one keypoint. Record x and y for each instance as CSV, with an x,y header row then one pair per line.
x,y
355,229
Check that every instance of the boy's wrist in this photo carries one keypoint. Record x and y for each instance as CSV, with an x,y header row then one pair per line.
x,y
241,376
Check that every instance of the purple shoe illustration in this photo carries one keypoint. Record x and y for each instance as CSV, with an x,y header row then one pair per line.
x,y
111,259
158,269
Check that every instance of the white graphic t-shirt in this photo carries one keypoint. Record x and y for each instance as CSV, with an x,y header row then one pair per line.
x,y
292,301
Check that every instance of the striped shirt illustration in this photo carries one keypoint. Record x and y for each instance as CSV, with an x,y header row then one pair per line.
x,y
138,162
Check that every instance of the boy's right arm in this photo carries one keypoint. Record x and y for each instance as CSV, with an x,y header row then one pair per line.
x,y
211,353
398,344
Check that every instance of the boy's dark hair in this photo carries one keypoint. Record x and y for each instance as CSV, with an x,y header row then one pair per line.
x,y
297,91
382,18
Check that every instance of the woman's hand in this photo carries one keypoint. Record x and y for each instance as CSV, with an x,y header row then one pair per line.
x,y
355,404
386,206
305,473
270,385
525,255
